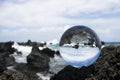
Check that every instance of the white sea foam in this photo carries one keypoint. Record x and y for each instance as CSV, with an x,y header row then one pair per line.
x,y
10,67
25,50
44,76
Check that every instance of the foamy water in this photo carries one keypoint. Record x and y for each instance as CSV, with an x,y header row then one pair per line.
x,y
56,64
44,76
80,56
25,50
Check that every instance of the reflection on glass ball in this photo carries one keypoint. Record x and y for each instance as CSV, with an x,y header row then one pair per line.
x,y
80,46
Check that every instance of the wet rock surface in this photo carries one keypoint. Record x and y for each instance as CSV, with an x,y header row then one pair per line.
x,y
107,67
5,58
48,52
37,60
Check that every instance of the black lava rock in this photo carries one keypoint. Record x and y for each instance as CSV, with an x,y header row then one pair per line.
x,y
10,61
7,47
48,52
107,67
71,73
37,60
5,50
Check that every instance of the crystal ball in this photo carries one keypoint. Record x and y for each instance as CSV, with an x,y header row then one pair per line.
x,y
80,46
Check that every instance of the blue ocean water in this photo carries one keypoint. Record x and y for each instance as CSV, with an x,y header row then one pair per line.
x,y
112,43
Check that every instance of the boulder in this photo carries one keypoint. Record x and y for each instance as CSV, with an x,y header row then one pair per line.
x,y
7,47
5,50
57,53
48,52
71,73
102,43
37,60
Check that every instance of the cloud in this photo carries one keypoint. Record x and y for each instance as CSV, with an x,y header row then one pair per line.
x,y
52,12
23,19
93,6
39,34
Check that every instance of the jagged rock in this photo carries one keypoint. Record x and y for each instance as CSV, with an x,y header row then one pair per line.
x,y
57,53
5,62
7,47
107,67
5,50
12,75
102,43
48,52
30,43
37,60
19,53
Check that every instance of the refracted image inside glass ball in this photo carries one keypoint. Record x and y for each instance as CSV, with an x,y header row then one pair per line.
x,y
80,46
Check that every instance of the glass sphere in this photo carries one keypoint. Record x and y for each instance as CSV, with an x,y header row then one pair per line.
x,y
80,46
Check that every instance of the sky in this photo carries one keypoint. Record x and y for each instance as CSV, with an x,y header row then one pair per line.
x,y
45,20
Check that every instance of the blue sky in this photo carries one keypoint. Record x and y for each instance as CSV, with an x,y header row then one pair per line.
x,y
45,20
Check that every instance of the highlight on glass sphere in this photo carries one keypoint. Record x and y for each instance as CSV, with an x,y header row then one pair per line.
x,y
80,46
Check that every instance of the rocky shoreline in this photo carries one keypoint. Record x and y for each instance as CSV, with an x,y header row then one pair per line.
x,y
107,67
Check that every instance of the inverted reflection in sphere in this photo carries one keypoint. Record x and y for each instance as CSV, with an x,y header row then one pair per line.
x,y
80,46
